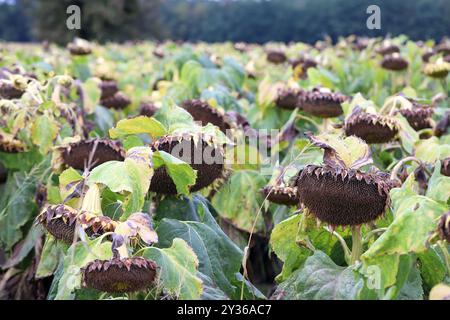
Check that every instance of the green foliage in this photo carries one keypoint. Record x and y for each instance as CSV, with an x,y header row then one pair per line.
x,y
178,267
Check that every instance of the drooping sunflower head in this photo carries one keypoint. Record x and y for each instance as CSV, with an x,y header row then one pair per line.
x,y
276,56
322,103
61,220
120,275
204,113
79,47
394,62
439,69
117,101
10,144
387,48
204,154
87,153
371,127
288,98
338,192
418,115
148,109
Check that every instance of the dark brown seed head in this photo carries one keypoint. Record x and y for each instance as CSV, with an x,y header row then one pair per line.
x,y
343,197
10,145
201,111
419,117
372,128
9,91
148,109
387,49
443,47
60,221
117,101
159,53
108,88
444,227
284,195
120,275
276,56
445,167
305,63
426,56
79,47
321,103
288,98
201,155
394,62
77,154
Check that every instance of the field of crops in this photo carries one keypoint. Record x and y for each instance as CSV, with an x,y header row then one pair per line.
x,y
225,171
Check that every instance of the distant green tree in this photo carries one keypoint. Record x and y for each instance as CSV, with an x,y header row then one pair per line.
x,y
14,24
103,20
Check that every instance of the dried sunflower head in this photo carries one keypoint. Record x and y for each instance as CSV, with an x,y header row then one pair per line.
x,y
202,153
419,116
148,109
60,221
394,62
10,144
117,101
204,113
387,48
322,103
338,192
371,127
119,275
276,56
439,69
280,194
108,88
79,47
83,153
288,98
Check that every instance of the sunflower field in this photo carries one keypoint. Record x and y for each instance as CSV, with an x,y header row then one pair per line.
x,y
173,170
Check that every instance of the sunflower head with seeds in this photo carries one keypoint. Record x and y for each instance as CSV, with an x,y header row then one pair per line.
x,y
339,192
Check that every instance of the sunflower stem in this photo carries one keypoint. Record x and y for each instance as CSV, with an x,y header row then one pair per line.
x,y
347,253
356,244
397,167
372,233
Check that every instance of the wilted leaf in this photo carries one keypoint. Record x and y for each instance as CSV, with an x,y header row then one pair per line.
x,y
349,152
44,132
178,267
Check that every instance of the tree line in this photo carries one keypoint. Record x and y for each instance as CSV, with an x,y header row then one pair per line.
x,y
216,21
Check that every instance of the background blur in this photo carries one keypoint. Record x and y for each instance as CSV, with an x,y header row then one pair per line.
x,y
220,20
